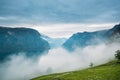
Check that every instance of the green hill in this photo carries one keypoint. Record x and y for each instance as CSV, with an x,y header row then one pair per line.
x,y
108,71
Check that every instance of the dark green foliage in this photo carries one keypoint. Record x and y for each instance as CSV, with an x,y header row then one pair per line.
x,y
117,55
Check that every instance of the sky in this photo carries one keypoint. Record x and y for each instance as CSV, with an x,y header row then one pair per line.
x,y
55,16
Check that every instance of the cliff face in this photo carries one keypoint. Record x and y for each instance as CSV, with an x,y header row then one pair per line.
x,y
92,38
15,40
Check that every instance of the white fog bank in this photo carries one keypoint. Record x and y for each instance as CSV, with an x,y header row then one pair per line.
x,y
57,60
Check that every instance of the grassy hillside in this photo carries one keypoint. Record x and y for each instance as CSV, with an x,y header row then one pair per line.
x,y
109,71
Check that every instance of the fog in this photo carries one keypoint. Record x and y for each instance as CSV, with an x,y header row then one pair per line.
x,y
19,67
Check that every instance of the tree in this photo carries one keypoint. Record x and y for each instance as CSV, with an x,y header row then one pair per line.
x,y
91,64
49,70
117,55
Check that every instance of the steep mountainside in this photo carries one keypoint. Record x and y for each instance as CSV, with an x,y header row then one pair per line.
x,y
92,38
15,40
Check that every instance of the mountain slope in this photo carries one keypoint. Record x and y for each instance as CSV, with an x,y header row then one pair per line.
x,y
109,71
15,40
92,38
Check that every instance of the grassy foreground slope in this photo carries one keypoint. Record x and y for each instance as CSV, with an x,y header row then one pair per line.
x,y
109,71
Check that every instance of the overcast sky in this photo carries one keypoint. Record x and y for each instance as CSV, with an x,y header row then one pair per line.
x,y
51,14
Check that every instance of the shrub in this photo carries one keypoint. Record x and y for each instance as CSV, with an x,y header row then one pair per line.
x,y
117,55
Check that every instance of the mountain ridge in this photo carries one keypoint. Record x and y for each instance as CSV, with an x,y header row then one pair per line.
x,y
91,38
16,40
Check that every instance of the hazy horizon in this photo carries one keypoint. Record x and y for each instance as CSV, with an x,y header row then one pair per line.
x,y
65,30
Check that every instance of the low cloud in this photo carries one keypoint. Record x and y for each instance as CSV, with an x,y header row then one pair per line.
x,y
57,60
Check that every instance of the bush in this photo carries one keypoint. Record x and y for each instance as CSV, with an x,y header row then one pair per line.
x,y
117,55
91,64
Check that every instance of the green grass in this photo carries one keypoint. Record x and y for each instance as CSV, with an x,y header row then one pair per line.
x,y
108,71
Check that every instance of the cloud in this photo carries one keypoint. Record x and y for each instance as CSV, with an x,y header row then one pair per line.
x,y
18,68
57,60
67,30
60,11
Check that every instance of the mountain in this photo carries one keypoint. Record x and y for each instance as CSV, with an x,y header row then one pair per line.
x,y
114,33
108,71
92,38
16,40
54,42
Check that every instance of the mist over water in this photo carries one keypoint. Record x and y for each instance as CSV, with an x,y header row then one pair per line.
x,y
19,67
